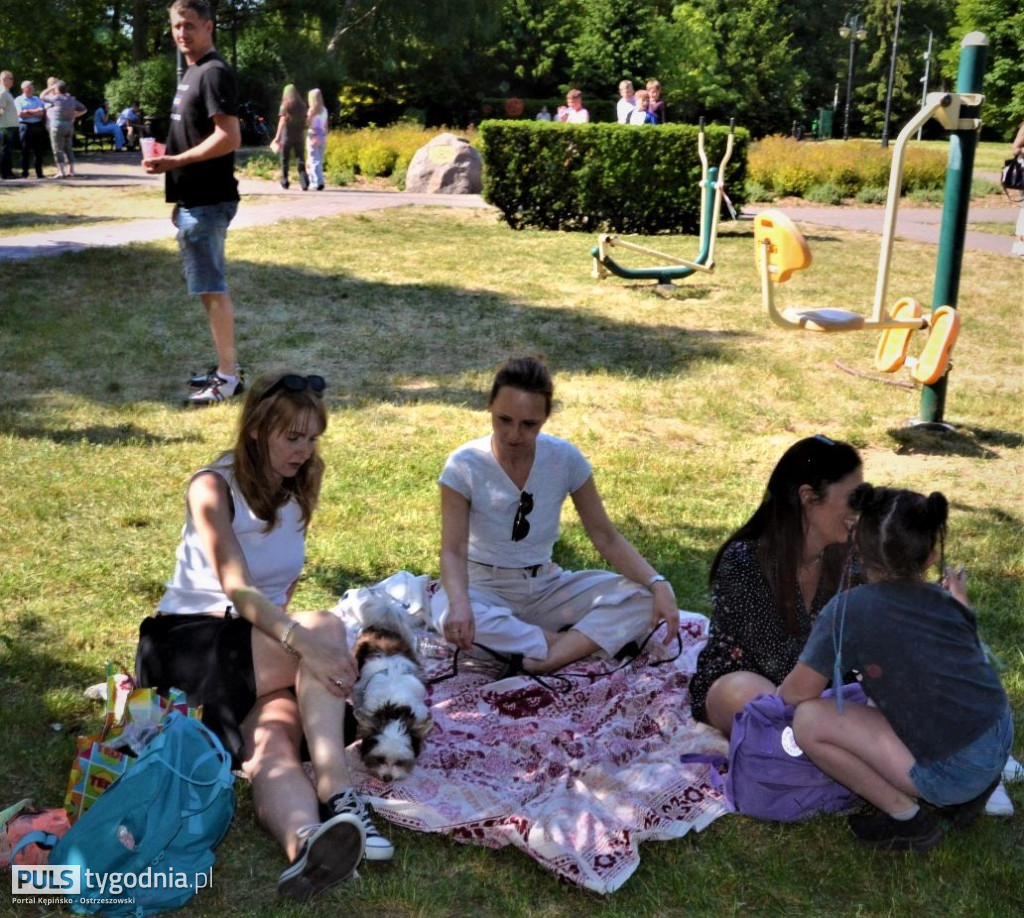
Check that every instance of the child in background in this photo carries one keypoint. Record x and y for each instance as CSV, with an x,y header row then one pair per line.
x,y
641,114
626,103
657,106
940,727
316,138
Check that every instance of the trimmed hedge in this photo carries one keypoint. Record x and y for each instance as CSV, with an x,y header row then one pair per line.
x,y
607,177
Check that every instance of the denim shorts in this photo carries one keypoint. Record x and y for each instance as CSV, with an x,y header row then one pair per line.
x,y
967,773
202,232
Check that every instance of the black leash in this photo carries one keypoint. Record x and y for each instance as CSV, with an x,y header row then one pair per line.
x,y
562,679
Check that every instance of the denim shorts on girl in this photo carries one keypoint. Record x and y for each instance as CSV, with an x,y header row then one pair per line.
x,y
967,773
202,232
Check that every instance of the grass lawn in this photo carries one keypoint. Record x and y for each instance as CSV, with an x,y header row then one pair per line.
x,y
681,402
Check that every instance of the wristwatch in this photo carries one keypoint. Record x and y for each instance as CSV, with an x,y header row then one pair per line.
x,y
657,578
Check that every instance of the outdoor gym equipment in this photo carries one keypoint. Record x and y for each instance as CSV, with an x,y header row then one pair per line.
x,y
780,249
710,208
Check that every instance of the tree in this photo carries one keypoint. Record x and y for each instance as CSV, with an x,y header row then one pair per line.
x,y
1002,22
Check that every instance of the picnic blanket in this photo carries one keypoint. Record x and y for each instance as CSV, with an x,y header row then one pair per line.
x,y
577,775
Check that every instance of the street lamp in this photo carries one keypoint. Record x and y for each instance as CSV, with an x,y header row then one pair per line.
x,y
892,73
924,79
853,29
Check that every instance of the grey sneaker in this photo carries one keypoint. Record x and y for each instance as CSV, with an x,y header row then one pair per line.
x,y
217,389
329,854
378,848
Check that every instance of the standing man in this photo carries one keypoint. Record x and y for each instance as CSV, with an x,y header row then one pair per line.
x,y
31,128
199,169
8,124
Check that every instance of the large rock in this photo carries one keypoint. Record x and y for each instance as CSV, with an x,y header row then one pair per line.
x,y
446,165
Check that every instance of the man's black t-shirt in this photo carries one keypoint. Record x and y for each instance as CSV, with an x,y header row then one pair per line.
x,y
206,89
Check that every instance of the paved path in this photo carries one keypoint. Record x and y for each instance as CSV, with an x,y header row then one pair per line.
x,y
263,202
919,223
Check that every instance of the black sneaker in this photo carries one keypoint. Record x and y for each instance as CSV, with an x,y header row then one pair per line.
x,y
329,854
961,815
881,830
347,803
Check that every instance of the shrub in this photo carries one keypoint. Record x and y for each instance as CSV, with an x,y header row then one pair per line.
x,y
824,193
377,159
757,192
791,167
603,176
872,194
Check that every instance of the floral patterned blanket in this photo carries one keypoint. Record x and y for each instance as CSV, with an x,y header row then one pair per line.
x,y
576,775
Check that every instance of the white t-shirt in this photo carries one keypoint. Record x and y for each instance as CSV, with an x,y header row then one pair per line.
x,y
274,558
473,471
577,116
623,109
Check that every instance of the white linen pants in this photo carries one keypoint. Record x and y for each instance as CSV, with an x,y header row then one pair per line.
x,y
512,608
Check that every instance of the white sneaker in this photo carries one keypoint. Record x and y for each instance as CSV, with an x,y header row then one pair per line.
x,y
999,804
1013,771
217,389
378,848
329,854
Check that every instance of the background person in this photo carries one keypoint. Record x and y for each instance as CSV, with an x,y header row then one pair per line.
x,y
8,125
266,678
641,114
940,728
102,123
316,138
626,103
32,134
657,103
199,166
1017,149
574,112
291,134
62,110
773,576
501,500
130,121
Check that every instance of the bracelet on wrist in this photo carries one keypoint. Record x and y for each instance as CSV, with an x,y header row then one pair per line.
x,y
657,578
292,625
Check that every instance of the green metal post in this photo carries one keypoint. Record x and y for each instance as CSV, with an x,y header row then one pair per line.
x,y
962,146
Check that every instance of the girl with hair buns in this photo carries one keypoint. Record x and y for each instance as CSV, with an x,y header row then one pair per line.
x,y
939,727
266,678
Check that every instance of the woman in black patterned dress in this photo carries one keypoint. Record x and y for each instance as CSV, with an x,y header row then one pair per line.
x,y
772,577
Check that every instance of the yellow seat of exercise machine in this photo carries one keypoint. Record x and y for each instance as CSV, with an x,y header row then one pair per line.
x,y
944,328
787,248
893,343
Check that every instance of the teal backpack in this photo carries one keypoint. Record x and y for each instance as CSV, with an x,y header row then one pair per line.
x,y
154,829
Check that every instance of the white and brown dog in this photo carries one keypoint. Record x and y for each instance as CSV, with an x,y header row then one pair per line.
x,y
389,696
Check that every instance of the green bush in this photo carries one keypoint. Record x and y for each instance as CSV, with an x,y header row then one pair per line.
x,y
603,176
791,167
872,194
150,82
825,193
377,159
757,192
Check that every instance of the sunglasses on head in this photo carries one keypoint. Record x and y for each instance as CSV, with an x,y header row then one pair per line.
x,y
521,525
295,383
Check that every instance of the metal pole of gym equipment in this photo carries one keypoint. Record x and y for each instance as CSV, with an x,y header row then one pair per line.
x,y
959,170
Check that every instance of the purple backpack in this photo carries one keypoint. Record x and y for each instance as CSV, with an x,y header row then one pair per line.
x,y
769,777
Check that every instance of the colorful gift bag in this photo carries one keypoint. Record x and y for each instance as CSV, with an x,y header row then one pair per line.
x,y
101,758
